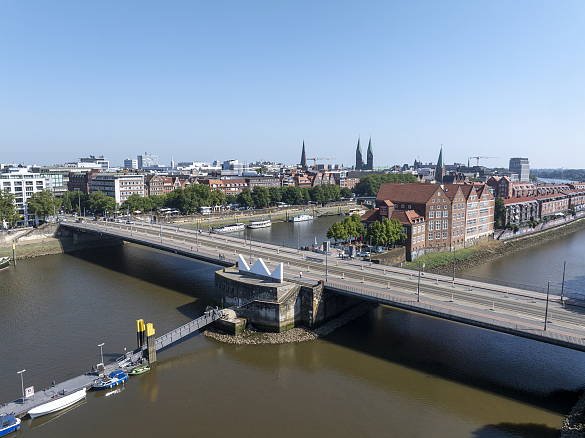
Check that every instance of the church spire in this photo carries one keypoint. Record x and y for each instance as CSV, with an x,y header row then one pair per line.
x,y
303,156
359,160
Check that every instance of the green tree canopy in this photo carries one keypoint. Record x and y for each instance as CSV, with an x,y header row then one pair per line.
x,y
499,212
100,202
8,211
245,198
261,197
43,203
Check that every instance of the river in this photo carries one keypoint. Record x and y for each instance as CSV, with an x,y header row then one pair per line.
x,y
387,373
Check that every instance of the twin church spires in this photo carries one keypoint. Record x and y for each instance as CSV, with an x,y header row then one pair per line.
x,y
359,160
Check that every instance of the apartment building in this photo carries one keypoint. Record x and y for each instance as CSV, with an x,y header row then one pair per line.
x,y
22,184
118,185
158,185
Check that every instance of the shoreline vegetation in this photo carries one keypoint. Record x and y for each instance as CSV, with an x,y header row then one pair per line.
x,y
492,250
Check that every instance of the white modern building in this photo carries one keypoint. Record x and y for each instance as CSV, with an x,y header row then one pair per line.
x,y
147,160
130,164
520,167
22,184
100,162
118,185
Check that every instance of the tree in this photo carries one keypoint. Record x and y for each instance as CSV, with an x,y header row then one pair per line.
x,y
43,203
346,192
261,197
393,230
245,198
274,193
337,232
8,211
100,202
217,198
230,199
316,194
377,232
354,226
134,203
500,212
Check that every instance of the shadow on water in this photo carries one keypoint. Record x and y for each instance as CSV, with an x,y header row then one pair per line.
x,y
527,371
528,430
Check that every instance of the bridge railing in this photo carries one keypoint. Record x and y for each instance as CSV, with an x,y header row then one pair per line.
x,y
188,328
555,289
529,330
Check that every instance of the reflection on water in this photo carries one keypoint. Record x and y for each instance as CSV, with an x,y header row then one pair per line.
x,y
387,373
40,421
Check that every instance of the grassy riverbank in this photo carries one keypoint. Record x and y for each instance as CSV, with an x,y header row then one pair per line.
x,y
485,252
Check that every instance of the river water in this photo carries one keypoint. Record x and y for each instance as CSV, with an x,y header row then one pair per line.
x,y
387,373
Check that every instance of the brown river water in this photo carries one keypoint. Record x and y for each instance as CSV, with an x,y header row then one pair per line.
x,y
387,373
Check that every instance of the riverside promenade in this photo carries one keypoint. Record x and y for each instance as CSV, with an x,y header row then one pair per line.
x,y
512,311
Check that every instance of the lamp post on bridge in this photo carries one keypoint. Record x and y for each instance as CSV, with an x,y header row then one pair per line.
x,y
563,285
102,351
546,311
418,287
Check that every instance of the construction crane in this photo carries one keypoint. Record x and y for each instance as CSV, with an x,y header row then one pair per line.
x,y
315,160
477,158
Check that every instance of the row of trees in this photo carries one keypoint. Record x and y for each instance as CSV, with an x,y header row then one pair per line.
x,y
381,233
8,211
370,184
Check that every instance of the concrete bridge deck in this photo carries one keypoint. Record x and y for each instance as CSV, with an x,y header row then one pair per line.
x,y
514,311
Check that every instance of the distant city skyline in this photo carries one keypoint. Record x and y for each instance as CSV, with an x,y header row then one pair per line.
x,y
249,81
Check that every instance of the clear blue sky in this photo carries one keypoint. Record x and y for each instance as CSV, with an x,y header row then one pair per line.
x,y
250,80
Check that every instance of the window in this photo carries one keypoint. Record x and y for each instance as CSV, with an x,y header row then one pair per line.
x,y
423,228
430,236
445,225
433,200
453,233
432,207
422,238
409,207
445,213
438,225
431,214
462,214
431,225
437,236
444,235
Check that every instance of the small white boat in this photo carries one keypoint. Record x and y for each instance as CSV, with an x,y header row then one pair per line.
x,y
57,404
262,223
359,211
230,228
301,218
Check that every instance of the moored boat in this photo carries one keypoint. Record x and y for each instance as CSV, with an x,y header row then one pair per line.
x,y
61,402
8,423
113,379
4,264
301,218
359,211
140,370
229,228
262,223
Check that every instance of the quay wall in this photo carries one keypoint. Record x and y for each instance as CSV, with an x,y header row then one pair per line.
x,y
52,239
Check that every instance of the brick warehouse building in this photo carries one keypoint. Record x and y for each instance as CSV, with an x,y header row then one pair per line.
x,y
454,215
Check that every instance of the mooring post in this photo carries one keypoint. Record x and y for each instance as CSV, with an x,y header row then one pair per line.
x,y
150,343
14,253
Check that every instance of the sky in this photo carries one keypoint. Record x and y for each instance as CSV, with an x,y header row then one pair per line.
x,y
252,80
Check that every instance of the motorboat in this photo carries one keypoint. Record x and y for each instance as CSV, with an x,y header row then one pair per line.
x,y
301,218
4,263
8,423
60,401
139,370
229,228
262,223
113,379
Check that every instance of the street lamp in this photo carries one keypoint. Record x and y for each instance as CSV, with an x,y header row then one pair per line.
x,y
546,311
102,351
21,382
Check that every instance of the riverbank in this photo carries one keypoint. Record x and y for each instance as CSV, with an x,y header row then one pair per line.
x,y
55,245
251,336
494,249
574,424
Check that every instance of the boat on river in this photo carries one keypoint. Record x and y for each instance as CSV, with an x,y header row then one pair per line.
x,y
229,228
262,223
140,370
301,218
58,403
4,263
8,423
113,379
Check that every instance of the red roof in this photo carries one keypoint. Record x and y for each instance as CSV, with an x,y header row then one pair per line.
x,y
407,193
520,200
406,217
371,215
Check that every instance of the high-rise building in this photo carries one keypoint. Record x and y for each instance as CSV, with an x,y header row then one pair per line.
x,y
370,156
521,167
147,160
130,163
359,160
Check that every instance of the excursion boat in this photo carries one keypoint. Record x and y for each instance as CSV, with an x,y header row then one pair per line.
x,y
57,404
229,228
8,423
301,218
4,263
140,370
113,379
262,223
359,211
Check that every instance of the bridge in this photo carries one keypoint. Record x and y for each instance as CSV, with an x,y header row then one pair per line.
x,y
508,310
